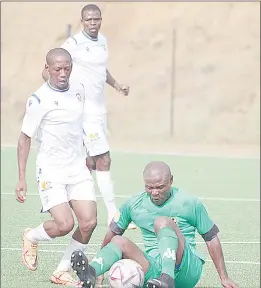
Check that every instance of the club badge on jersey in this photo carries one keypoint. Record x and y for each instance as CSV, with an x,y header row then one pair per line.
x,y
174,219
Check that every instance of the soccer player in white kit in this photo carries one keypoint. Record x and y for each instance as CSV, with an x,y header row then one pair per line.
x,y
56,115
89,52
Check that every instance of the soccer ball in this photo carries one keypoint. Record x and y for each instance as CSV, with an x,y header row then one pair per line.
x,y
126,273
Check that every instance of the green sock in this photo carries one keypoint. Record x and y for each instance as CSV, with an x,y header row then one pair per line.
x,y
168,245
105,258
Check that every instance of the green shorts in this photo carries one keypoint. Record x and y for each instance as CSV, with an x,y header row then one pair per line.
x,y
186,275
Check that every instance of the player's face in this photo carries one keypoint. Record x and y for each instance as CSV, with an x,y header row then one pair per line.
x,y
158,187
91,21
60,72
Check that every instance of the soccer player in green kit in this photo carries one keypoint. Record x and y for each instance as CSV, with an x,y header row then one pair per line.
x,y
168,219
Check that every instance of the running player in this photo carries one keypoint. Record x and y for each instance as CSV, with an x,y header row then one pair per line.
x,y
89,52
55,115
168,218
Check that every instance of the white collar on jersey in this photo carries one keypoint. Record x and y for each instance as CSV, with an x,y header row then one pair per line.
x,y
89,37
55,89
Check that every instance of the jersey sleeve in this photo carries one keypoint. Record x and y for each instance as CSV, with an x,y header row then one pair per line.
x,y
122,219
33,116
200,218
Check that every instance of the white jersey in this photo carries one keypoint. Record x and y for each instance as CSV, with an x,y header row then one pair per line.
x,y
90,67
56,119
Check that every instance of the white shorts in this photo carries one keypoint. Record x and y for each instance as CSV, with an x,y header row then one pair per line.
x,y
53,193
96,135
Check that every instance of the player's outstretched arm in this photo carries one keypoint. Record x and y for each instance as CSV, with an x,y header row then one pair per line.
x,y
23,149
110,80
123,89
32,119
107,239
216,254
208,230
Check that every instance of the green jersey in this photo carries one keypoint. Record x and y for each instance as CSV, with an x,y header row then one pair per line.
x,y
188,212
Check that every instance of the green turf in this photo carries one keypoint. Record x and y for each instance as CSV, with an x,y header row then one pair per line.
x,y
239,221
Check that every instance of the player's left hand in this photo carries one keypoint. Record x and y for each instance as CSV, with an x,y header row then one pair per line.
x,y
123,89
228,283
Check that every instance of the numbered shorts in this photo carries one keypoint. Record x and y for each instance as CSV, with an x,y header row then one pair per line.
x,y
187,274
96,135
53,193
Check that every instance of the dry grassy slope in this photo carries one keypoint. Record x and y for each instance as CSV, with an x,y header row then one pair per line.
x,y
217,67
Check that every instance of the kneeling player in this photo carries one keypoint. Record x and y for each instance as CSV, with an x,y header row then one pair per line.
x,y
168,219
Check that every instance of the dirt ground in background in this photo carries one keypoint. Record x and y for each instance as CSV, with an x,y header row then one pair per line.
x,y
216,84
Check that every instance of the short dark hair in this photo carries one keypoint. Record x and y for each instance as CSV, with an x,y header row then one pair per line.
x,y
90,7
57,52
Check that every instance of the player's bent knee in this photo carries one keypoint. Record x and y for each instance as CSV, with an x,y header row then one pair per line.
x,y
162,222
121,241
65,227
88,226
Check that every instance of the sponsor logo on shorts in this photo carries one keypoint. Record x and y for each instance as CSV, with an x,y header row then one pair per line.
x,y
45,185
94,136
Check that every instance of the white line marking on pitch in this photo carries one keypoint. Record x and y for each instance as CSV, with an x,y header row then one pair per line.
x,y
188,154
202,198
140,243
91,253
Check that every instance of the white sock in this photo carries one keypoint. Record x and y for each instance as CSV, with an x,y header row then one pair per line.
x,y
106,188
65,263
38,234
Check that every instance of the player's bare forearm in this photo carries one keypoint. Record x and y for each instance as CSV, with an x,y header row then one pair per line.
x,y
108,237
23,149
216,253
111,81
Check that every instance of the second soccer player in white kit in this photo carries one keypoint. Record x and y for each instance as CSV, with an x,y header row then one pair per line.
x,y
89,52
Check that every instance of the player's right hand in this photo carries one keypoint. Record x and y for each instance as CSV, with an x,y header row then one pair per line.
x,y
100,280
228,283
20,191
